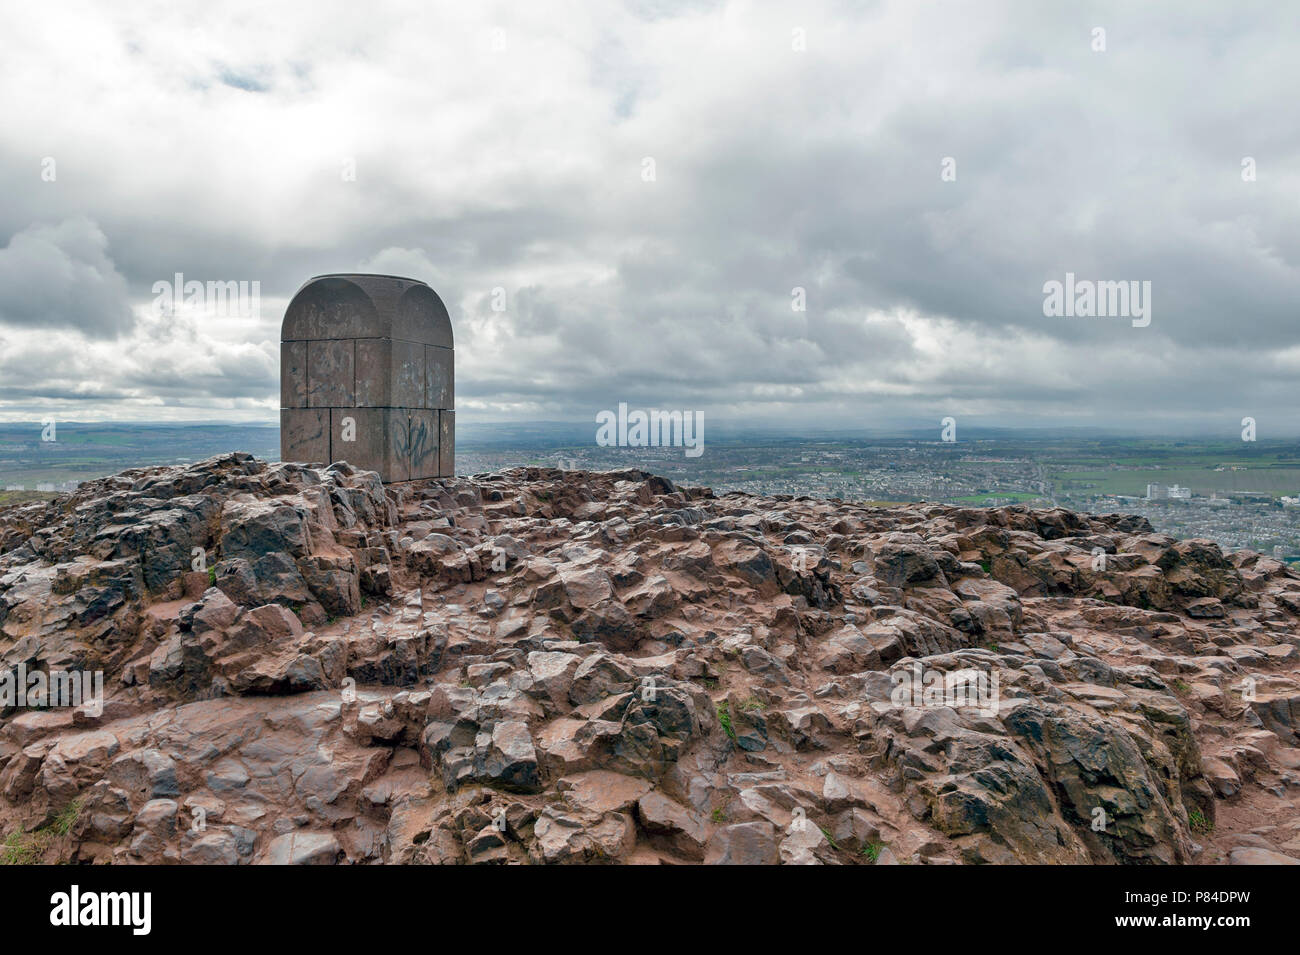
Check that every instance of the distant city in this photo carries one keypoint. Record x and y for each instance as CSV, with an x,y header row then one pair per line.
x,y
1243,495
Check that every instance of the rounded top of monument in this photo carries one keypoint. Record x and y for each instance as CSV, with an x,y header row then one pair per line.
x,y
342,305
366,275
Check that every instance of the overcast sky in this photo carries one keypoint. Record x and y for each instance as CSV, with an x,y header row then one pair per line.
x,y
505,146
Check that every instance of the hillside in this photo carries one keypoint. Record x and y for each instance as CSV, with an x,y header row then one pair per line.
x,y
550,666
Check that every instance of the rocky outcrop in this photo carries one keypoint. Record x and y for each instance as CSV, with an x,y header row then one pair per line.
x,y
304,666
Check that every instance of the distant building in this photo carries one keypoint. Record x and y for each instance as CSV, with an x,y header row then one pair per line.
x,y
45,486
1158,492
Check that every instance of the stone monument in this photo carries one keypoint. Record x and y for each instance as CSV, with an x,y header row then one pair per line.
x,y
367,377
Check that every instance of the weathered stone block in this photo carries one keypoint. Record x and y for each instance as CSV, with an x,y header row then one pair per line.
x,y
372,438
420,316
446,444
421,451
305,435
332,307
390,374
439,378
293,375
331,374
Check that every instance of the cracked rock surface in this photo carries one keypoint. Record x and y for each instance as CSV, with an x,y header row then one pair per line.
x,y
304,666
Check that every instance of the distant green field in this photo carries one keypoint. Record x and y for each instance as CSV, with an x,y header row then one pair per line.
x,y
1266,480
80,471
1086,455
24,497
89,450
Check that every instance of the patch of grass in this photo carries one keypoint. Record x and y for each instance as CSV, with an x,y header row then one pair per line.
x,y
987,565
1180,686
1198,823
752,703
24,848
724,717
212,576
718,815
829,838
872,851
66,819
28,848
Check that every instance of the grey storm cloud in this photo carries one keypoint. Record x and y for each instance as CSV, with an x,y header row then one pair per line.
x,y
505,147
60,276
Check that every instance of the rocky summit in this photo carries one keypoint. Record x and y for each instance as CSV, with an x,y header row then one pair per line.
x,y
538,666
